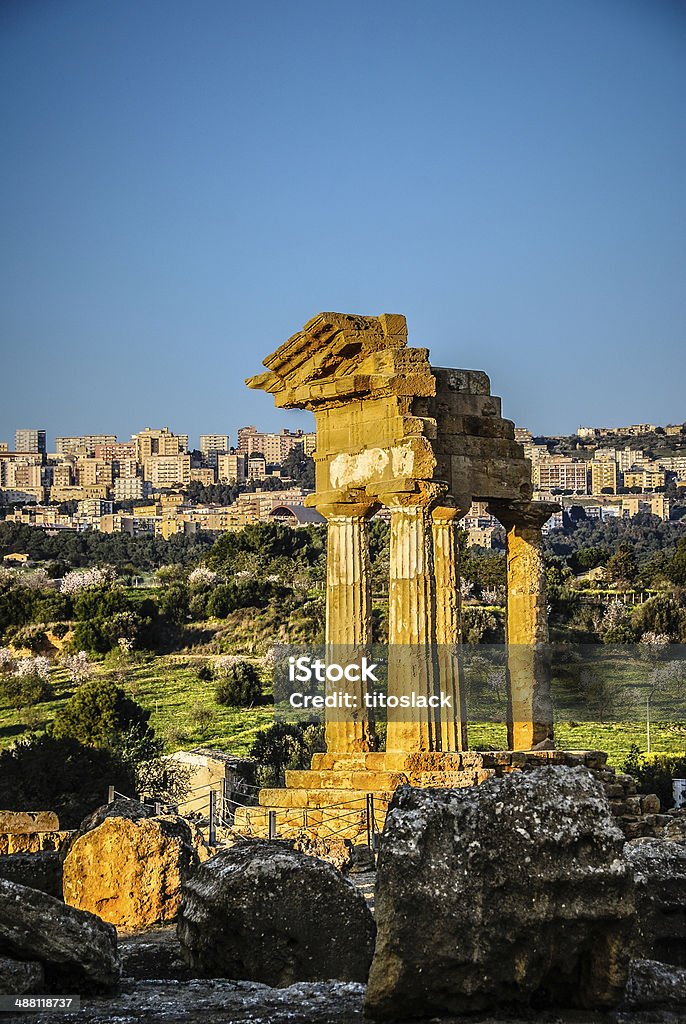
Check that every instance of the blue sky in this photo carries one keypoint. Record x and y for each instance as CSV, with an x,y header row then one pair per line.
x,y
184,184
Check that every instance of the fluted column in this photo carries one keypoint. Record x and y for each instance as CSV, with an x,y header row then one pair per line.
x,y
452,721
348,614
528,664
411,620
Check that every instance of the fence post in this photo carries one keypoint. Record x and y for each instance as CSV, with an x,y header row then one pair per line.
x,y
110,794
369,817
213,817
272,824
158,807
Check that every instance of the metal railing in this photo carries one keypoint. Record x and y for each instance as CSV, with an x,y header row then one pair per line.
x,y
222,813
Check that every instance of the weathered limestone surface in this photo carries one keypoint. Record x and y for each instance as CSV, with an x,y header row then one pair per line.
x,y
130,872
510,892
659,868
25,822
78,951
264,912
348,611
33,842
530,710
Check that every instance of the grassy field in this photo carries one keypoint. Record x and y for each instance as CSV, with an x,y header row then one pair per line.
x,y
185,714
183,710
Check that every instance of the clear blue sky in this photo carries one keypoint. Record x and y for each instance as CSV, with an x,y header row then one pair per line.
x,y
184,184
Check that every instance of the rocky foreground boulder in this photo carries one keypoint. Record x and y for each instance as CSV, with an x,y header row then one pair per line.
x,y
659,868
20,978
262,911
511,893
76,951
129,871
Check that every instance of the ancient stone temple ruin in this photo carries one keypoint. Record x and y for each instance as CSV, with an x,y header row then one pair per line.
x,y
395,432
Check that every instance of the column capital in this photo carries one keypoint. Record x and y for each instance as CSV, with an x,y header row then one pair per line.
x,y
426,494
451,508
532,514
346,509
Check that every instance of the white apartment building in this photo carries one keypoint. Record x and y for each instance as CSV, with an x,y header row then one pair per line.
x,y
167,470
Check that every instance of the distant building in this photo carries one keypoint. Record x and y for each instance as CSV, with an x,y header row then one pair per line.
x,y
257,467
218,443
115,451
554,472
203,476
167,470
94,508
232,468
131,488
274,447
30,441
522,435
90,471
151,442
83,444
603,476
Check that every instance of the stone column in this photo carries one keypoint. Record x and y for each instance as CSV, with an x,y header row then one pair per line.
x,y
452,722
528,669
411,619
348,614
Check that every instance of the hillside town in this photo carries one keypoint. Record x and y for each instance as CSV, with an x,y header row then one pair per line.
x,y
156,484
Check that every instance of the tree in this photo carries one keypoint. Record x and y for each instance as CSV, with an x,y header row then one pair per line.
x,y
300,468
238,685
622,567
100,714
61,774
285,746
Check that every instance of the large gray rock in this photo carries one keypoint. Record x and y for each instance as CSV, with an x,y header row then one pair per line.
x,y
659,868
511,892
262,911
19,978
78,951
653,985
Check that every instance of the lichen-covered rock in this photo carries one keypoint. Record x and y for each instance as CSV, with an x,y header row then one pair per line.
x,y
654,985
512,892
261,911
130,871
659,868
78,951
20,977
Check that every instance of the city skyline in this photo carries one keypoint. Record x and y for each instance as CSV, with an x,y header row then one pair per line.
x,y
181,193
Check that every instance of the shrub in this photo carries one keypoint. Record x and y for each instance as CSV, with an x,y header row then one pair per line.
x,y
654,773
239,686
26,690
60,630
285,746
100,714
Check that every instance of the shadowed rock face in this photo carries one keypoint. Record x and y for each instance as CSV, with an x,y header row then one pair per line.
x,y
513,892
77,950
659,868
264,912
